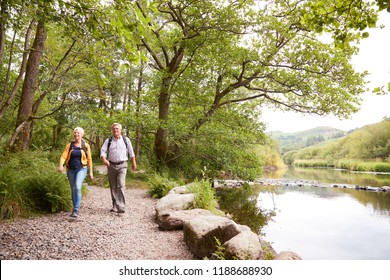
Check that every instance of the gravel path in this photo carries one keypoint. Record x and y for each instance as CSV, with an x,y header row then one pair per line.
x,y
96,235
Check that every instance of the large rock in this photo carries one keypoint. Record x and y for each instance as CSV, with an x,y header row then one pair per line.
x,y
287,255
385,189
200,233
244,246
176,220
178,190
269,252
173,202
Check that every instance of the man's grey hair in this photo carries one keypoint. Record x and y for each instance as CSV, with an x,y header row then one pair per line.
x,y
116,124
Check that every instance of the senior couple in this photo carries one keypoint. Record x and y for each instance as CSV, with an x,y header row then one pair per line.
x,y
115,152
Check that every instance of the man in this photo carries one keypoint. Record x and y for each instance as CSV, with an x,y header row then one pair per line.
x,y
114,154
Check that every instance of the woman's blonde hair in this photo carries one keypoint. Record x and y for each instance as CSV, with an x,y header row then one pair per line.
x,y
80,130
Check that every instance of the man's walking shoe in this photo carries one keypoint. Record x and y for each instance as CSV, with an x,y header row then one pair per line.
x,y
121,211
113,210
74,214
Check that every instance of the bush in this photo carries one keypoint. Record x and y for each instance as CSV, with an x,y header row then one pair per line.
x,y
30,183
366,166
204,195
160,185
382,167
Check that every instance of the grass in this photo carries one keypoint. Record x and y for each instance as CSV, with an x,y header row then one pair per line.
x,y
30,184
204,195
159,185
312,163
348,164
365,166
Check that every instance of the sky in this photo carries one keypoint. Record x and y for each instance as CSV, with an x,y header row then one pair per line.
x,y
374,56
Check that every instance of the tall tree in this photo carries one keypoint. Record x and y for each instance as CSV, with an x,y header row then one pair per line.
x,y
45,78
24,119
243,53
15,20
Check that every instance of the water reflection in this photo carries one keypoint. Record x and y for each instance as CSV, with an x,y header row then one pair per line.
x,y
319,223
241,204
328,223
332,176
378,201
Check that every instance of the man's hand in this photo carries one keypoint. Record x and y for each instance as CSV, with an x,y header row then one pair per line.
x,y
105,161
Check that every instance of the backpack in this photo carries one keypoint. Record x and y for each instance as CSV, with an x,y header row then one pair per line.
x,y
110,140
71,146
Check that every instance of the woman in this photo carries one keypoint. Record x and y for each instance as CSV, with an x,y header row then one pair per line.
x,y
77,157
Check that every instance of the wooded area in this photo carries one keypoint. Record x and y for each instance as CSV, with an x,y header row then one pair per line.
x,y
187,79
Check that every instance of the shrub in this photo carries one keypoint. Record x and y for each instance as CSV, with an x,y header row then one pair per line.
x,y
159,185
382,167
368,166
48,191
30,183
204,195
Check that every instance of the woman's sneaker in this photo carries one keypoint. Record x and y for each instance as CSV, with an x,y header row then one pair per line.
x,y
74,214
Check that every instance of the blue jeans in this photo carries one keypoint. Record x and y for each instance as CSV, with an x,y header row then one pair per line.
x,y
76,178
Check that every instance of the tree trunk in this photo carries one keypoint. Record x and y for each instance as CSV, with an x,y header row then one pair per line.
x,y
22,70
29,87
56,132
3,8
138,108
161,141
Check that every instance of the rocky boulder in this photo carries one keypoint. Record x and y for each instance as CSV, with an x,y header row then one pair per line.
x,y
287,255
385,189
244,246
178,190
176,220
201,233
173,202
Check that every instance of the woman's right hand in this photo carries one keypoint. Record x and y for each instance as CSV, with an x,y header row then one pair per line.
x,y
61,168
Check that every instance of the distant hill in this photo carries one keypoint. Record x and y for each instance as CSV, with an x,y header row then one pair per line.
x,y
364,149
305,138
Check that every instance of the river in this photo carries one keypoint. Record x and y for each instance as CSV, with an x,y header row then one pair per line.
x,y
327,223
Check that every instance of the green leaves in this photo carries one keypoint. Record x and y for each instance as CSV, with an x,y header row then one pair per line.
x,y
345,20
200,70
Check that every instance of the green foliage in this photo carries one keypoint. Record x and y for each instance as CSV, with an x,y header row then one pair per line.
x,y
204,195
342,19
269,152
160,185
301,139
363,166
218,254
225,144
103,65
29,183
268,255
